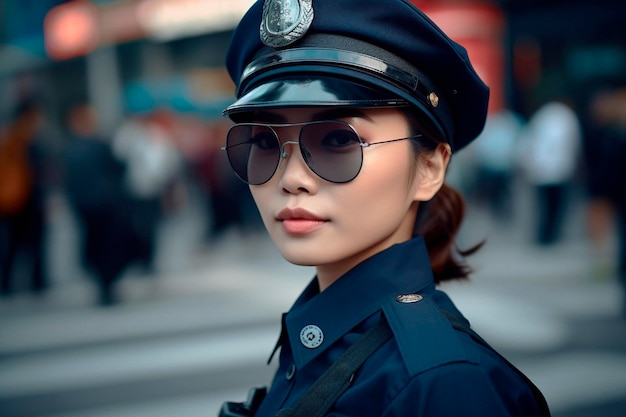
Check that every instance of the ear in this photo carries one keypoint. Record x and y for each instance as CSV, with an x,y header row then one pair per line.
x,y
431,173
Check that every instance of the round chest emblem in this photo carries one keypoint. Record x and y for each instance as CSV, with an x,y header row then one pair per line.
x,y
311,336
285,21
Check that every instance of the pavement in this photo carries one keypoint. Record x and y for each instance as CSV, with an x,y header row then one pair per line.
x,y
210,311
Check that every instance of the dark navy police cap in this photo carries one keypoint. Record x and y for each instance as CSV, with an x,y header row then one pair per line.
x,y
355,53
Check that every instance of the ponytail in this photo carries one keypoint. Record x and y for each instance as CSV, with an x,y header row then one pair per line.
x,y
438,222
439,219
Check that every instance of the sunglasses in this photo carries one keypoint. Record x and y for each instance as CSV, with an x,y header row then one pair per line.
x,y
332,149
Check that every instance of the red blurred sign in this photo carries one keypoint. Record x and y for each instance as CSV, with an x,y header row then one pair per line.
x,y
71,29
78,27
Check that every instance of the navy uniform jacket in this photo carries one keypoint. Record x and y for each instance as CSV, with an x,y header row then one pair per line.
x,y
427,369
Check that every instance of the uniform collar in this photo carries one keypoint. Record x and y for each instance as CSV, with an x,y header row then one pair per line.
x,y
401,269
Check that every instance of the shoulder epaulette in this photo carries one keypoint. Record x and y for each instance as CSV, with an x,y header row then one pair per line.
x,y
425,337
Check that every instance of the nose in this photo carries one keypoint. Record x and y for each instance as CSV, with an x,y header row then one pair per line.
x,y
295,175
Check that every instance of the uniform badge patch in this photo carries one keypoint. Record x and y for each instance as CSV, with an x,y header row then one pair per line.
x,y
285,21
311,336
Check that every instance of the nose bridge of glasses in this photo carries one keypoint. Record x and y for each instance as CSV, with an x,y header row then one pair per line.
x,y
283,150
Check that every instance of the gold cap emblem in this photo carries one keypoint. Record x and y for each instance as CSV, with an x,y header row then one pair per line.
x,y
285,21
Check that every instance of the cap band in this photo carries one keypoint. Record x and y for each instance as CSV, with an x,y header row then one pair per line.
x,y
332,57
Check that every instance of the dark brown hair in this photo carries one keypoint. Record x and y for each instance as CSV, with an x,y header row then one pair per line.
x,y
438,220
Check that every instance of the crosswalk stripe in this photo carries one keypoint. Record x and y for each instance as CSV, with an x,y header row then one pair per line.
x,y
78,368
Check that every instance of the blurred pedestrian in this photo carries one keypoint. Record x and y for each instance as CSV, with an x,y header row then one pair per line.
x,y
601,180
550,156
612,135
153,166
346,117
494,151
94,186
22,199
228,198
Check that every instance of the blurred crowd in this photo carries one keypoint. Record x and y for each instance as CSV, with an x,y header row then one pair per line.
x,y
120,186
562,152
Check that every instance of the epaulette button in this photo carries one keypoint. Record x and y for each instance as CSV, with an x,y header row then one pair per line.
x,y
409,298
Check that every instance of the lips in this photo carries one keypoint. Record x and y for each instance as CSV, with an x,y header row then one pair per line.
x,y
297,214
299,221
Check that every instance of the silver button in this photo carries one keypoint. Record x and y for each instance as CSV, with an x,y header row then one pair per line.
x,y
291,371
409,298
311,336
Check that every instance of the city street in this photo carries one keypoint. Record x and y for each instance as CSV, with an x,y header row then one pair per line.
x,y
200,330
114,116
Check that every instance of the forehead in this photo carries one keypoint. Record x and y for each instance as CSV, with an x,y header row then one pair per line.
x,y
306,114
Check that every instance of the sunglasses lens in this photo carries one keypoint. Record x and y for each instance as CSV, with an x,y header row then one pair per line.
x,y
253,152
332,150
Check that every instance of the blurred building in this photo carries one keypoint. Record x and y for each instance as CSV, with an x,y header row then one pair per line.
x,y
123,56
555,48
132,55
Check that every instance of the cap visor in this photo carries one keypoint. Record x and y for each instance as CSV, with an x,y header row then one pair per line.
x,y
303,91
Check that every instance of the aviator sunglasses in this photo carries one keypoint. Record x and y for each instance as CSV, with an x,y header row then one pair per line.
x,y
332,149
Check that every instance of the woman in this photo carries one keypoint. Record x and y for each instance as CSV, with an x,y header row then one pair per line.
x,y
346,118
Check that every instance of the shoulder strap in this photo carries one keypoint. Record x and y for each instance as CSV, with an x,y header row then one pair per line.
x,y
463,325
331,385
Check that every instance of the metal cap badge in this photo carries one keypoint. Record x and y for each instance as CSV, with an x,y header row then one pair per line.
x,y
285,21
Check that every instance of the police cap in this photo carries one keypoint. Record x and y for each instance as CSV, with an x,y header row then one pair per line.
x,y
355,53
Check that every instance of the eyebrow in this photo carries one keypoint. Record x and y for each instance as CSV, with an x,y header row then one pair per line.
x,y
340,113
267,117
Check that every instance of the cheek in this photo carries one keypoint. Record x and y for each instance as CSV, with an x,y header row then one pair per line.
x,y
263,197
389,170
381,193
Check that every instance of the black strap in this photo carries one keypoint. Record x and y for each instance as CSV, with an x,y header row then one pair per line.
x,y
324,392
463,325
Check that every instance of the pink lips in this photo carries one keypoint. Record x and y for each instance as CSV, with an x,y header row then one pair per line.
x,y
299,221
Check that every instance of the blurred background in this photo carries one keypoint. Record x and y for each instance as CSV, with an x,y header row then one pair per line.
x,y
136,278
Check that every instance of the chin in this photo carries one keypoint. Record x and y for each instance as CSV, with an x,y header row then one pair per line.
x,y
299,260
302,255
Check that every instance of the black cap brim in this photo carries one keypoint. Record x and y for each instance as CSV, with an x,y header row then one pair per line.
x,y
305,91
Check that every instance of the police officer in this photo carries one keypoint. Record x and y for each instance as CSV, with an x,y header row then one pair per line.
x,y
346,116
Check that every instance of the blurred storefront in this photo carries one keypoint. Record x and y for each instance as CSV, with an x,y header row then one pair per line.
x,y
568,48
122,56
132,55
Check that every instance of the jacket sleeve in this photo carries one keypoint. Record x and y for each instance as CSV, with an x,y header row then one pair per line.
x,y
464,390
